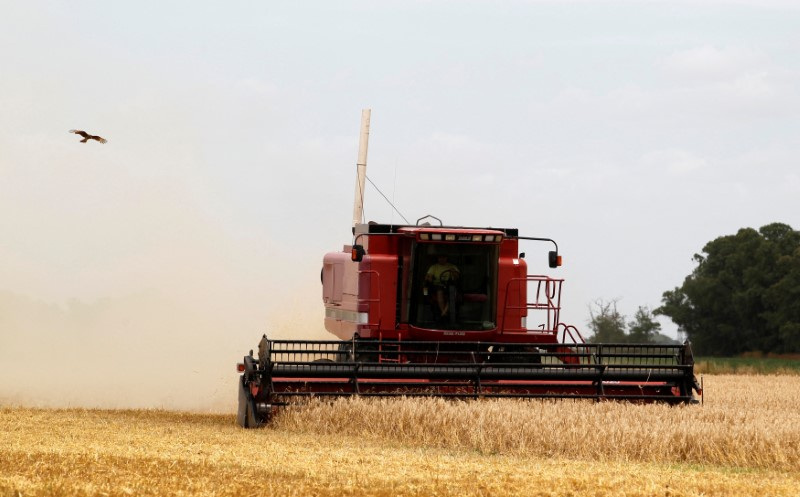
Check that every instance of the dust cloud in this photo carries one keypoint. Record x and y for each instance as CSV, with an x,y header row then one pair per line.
x,y
143,350
134,283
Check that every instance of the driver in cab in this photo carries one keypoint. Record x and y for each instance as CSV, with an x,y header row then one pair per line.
x,y
439,275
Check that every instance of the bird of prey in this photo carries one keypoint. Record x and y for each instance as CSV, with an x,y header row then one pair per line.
x,y
86,136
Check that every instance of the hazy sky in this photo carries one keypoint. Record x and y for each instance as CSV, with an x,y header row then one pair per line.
x,y
631,132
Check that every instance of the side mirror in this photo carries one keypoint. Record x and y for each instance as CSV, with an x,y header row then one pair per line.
x,y
357,253
554,259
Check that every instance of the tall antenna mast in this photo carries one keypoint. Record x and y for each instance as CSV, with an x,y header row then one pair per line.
x,y
361,166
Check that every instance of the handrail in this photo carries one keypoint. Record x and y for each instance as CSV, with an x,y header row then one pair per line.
x,y
548,298
567,330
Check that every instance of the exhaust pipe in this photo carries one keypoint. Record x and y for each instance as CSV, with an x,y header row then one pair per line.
x,y
361,166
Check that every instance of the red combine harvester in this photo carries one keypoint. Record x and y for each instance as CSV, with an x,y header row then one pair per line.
x,y
449,311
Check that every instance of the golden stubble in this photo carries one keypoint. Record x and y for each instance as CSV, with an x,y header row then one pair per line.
x,y
742,441
744,422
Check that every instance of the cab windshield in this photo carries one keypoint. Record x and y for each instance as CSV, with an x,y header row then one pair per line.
x,y
452,286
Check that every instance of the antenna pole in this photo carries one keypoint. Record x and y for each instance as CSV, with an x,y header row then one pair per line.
x,y
361,166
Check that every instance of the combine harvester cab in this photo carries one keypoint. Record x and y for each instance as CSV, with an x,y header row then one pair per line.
x,y
449,311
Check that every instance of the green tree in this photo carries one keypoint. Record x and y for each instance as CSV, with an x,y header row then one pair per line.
x,y
644,328
743,295
606,323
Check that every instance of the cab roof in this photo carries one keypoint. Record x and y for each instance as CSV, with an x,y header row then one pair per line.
x,y
375,228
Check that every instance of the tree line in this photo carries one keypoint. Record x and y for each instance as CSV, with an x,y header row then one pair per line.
x,y
743,296
608,325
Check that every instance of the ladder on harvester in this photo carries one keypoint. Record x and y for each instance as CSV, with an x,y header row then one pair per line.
x,y
389,352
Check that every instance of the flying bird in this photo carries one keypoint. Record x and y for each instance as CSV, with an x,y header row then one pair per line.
x,y
86,136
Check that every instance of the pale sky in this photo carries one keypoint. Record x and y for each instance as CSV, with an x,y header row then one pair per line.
x,y
631,132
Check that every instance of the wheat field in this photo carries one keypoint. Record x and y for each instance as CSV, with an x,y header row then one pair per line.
x,y
744,440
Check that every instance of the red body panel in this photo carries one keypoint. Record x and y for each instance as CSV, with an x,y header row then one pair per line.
x,y
371,298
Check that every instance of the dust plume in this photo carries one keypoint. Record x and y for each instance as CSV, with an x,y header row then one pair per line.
x,y
142,350
132,283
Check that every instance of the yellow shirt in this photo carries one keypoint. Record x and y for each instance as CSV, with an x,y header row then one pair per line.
x,y
435,272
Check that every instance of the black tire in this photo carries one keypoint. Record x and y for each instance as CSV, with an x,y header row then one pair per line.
x,y
246,415
367,352
241,411
345,352
253,419
516,354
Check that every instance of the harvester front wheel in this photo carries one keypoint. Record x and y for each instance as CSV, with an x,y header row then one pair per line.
x,y
364,352
517,354
246,414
